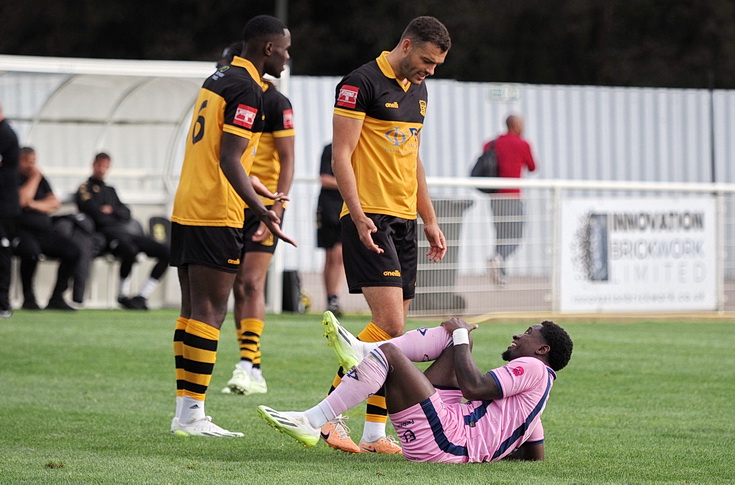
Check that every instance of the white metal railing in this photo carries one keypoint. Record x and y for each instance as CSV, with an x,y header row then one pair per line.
x,y
462,283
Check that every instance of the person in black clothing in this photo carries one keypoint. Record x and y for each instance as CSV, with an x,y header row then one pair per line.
x,y
328,231
36,234
9,207
125,238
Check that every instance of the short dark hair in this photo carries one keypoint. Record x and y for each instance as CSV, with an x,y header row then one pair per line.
x,y
262,26
101,156
232,50
27,150
428,29
560,343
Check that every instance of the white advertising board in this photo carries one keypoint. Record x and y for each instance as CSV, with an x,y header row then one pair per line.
x,y
643,254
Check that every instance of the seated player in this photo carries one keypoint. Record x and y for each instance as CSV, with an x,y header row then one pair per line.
x,y
501,418
112,218
37,235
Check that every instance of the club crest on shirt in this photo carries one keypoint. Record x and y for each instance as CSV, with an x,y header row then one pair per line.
x,y
288,119
347,96
518,371
422,107
245,116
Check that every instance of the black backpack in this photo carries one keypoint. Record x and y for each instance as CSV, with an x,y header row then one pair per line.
x,y
486,166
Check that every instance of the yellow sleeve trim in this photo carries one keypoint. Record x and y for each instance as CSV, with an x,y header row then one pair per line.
x,y
237,131
284,133
358,115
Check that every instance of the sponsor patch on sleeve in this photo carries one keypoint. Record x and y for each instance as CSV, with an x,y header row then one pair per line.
x,y
347,96
245,116
288,119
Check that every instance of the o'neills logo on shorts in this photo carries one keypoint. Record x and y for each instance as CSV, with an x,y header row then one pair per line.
x,y
233,261
395,272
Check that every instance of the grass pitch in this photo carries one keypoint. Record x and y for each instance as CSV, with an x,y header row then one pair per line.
x,y
88,397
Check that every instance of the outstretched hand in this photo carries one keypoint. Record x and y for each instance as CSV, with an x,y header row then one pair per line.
x,y
262,233
365,229
272,222
437,242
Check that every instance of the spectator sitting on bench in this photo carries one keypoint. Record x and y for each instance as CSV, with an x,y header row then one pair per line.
x,y
36,234
124,237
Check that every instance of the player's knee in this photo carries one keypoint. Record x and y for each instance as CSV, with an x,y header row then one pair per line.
x,y
394,328
390,351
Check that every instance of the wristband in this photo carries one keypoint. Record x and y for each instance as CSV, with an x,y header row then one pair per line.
x,y
461,336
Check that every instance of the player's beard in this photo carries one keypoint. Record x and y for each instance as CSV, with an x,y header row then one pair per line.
x,y
506,356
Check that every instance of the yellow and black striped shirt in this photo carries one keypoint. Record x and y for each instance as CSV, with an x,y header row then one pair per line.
x,y
386,157
278,124
230,101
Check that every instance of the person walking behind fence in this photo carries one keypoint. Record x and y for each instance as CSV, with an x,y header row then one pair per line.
x,y
513,154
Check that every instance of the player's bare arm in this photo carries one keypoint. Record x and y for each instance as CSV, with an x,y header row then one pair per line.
x,y
434,234
475,384
231,151
346,133
263,191
285,148
27,191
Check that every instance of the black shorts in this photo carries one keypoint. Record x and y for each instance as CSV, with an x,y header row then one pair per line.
x,y
215,247
328,227
395,267
251,225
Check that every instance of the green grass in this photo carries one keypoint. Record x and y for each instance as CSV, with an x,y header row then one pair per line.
x,y
88,398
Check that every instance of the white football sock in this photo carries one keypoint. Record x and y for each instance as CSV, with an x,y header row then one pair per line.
x,y
191,410
373,431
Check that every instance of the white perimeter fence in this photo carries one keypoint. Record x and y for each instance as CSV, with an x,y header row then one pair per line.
x,y
586,247
665,247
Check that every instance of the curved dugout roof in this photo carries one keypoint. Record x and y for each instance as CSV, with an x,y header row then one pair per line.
x,y
70,109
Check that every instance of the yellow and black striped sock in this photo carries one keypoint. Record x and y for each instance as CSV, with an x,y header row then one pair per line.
x,y
249,337
200,354
179,332
377,410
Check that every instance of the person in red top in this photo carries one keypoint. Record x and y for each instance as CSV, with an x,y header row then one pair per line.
x,y
513,153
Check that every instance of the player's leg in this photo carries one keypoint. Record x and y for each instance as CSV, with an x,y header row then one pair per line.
x,y
7,231
56,245
209,290
384,365
162,255
28,250
249,311
123,247
205,287
419,345
179,332
380,277
441,372
515,225
389,308
334,275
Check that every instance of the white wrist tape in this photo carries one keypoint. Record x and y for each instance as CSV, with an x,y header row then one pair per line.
x,y
461,336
